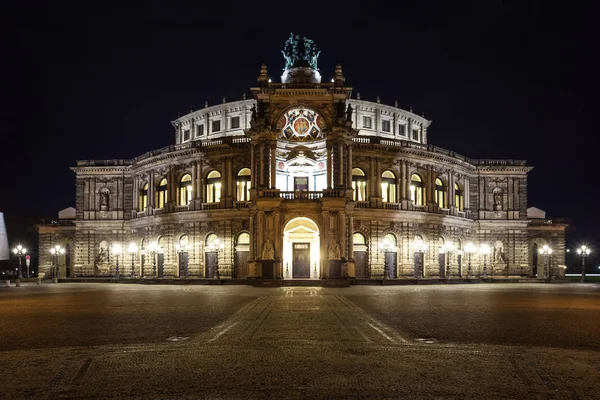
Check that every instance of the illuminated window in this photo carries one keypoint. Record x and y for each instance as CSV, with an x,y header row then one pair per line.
x,y
358,238
459,198
185,190
161,193
385,125
367,122
213,187
243,238
186,135
242,185
216,126
388,187
235,122
416,190
143,199
441,196
359,184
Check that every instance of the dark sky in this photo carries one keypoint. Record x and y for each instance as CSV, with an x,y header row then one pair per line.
x,y
98,82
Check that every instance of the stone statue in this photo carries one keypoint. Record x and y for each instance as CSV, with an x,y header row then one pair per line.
x,y
104,201
268,252
334,251
300,53
349,113
497,200
254,116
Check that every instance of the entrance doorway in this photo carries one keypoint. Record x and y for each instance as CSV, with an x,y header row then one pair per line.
x,y
390,264
210,264
301,249
241,255
301,260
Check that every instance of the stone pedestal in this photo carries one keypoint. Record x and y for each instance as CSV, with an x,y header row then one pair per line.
x,y
267,269
335,269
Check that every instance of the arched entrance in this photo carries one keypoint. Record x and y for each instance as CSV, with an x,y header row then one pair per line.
x,y
301,249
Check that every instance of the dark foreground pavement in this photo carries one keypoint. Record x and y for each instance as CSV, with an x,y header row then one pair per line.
x,y
129,341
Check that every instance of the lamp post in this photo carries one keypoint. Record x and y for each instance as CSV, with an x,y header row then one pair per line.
x,y
183,249
117,250
583,251
420,247
132,250
216,246
56,251
469,249
385,246
153,249
20,251
484,249
546,251
448,249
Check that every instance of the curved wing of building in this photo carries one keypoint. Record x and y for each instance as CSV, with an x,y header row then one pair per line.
x,y
305,180
4,253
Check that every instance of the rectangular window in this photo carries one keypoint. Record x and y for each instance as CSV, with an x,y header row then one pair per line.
x,y
186,135
415,134
200,130
235,122
402,130
367,122
216,126
385,125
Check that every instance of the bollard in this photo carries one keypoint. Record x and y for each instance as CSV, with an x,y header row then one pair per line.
x,y
39,281
55,279
18,283
7,283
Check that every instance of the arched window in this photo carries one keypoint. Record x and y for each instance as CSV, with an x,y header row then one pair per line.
x,y
441,196
359,184
143,198
185,190
416,190
243,185
388,187
358,238
390,240
210,240
459,198
213,187
161,193
243,238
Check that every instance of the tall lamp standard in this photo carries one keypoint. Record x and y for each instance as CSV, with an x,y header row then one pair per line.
x,y
469,249
546,252
153,249
484,249
56,251
117,250
183,249
583,251
448,249
132,250
385,246
420,247
217,247
20,251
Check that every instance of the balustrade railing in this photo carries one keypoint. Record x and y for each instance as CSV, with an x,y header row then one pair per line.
x,y
184,207
444,211
158,211
362,204
301,195
211,206
241,204
391,206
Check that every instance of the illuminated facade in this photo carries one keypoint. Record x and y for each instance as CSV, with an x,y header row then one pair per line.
x,y
304,180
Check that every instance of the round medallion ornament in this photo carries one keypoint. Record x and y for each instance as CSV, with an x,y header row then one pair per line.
x,y
301,124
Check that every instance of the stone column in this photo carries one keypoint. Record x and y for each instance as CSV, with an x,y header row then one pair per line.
x,y
329,178
451,193
252,166
273,165
349,167
136,192
341,164
200,181
151,189
194,181
378,177
342,233
262,165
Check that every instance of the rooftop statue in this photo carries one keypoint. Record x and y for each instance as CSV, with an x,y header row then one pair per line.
x,y
300,52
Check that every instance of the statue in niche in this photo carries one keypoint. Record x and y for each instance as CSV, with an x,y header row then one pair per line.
x,y
268,252
334,251
254,116
349,113
497,199
104,201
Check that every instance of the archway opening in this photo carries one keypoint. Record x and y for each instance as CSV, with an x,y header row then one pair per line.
x,y
301,249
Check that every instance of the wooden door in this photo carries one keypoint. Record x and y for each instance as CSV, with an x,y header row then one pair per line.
x,y
210,264
390,264
419,266
241,264
301,260
183,265
160,264
360,260
442,263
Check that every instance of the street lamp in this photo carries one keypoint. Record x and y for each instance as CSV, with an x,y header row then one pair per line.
x,y
484,249
385,245
117,250
56,251
217,247
132,250
183,249
448,249
153,249
420,247
469,249
20,251
546,251
583,251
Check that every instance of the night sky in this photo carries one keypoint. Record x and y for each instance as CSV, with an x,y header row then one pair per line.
x,y
100,82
